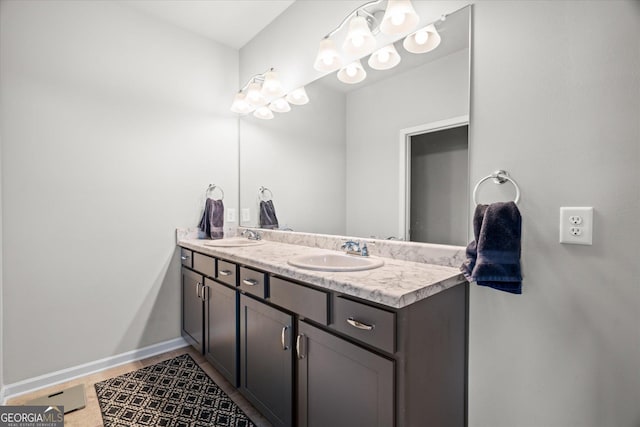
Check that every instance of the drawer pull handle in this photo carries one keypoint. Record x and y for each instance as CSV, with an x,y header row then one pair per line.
x,y
225,272
282,338
359,325
300,354
250,282
184,258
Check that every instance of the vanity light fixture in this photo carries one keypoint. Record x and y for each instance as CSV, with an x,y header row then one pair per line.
x,y
255,96
399,17
271,87
263,94
424,40
328,58
298,96
263,113
384,58
352,73
280,105
240,104
359,40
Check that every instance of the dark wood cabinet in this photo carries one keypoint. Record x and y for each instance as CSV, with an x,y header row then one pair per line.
x,y
341,384
193,308
221,329
308,356
266,360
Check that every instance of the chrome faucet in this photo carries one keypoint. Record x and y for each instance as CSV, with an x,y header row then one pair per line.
x,y
251,234
355,248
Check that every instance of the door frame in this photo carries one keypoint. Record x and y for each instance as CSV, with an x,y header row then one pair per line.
x,y
405,165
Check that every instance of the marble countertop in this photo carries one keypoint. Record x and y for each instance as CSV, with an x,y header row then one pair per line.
x,y
396,284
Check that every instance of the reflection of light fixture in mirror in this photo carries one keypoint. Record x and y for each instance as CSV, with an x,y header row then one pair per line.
x,y
384,58
352,73
263,113
240,104
254,94
399,17
280,105
298,96
359,40
424,40
328,58
271,87
263,89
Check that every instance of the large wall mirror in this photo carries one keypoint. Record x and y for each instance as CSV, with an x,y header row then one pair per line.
x,y
384,158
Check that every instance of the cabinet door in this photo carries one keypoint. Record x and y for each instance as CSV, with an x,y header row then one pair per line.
x,y
341,384
266,360
221,329
192,309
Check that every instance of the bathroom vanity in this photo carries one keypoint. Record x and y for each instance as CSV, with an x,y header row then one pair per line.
x,y
381,347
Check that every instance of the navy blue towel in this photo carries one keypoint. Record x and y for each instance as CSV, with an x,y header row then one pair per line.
x,y
268,218
212,222
493,258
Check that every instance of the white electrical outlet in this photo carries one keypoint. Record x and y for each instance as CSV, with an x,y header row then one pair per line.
x,y
576,225
575,219
246,217
231,215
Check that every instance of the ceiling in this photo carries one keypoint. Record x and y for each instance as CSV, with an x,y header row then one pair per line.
x,y
229,22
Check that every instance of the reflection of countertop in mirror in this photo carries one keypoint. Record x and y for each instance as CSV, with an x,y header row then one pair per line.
x,y
396,284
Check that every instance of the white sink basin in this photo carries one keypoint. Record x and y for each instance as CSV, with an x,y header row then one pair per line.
x,y
335,262
234,242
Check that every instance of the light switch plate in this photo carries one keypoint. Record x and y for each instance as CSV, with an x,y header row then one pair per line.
x,y
576,225
231,215
246,217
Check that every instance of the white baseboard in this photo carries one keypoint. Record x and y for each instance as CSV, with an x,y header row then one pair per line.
x,y
64,375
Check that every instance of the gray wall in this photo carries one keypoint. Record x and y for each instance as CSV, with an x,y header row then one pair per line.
x,y
439,187
555,101
308,195
2,345
113,124
436,91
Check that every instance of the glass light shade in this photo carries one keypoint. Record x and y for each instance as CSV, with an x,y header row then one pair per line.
x,y
328,58
384,58
424,40
271,87
255,96
240,104
352,73
298,96
280,105
359,40
399,17
263,113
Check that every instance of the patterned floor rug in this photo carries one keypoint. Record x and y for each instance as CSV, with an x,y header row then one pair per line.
x,y
176,393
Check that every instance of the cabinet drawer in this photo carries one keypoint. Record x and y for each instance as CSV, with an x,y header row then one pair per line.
x,y
204,264
227,273
252,282
186,256
363,322
307,302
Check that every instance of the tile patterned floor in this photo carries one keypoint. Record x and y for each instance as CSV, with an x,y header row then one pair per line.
x,y
90,415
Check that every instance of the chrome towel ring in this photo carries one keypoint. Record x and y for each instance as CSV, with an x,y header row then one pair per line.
x,y
262,195
499,177
211,188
